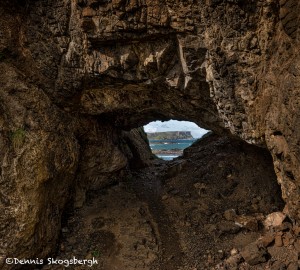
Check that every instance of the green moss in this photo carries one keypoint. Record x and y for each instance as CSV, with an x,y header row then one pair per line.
x,y
96,253
18,137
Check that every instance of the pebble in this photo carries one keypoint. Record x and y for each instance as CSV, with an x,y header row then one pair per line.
x,y
253,255
255,200
297,245
233,261
230,214
278,266
65,230
293,266
285,226
174,191
296,230
248,222
275,219
267,239
278,240
234,251
210,259
71,240
165,197
228,227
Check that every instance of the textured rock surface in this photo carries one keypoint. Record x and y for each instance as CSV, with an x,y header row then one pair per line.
x,y
136,148
39,158
155,220
75,73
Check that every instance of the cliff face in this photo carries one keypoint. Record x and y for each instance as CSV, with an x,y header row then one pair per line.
x,y
75,73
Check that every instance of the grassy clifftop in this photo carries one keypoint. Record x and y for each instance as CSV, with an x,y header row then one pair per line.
x,y
170,135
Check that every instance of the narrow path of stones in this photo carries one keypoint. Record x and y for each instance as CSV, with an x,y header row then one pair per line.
x,y
148,188
125,227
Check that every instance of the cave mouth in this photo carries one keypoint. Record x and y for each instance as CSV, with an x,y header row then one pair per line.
x,y
168,139
194,211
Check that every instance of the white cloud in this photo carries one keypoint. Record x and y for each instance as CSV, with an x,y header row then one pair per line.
x,y
174,125
149,128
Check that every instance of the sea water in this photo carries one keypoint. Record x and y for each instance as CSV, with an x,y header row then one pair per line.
x,y
170,145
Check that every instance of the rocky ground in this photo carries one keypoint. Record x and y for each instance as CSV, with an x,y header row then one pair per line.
x,y
206,210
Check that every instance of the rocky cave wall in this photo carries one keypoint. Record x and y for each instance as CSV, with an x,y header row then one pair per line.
x,y
75,73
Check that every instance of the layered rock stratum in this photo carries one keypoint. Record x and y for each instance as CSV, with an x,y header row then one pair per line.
x,y
75,74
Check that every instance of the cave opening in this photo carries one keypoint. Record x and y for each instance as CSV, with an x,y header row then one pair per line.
x,y
168,139
193,210
214,197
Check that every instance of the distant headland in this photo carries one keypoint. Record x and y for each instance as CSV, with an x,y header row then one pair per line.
x,y
170,135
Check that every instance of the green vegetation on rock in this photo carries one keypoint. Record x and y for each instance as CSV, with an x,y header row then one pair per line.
x,y
18,137
170,135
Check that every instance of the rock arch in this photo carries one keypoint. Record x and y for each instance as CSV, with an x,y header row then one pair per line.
x,y
74,74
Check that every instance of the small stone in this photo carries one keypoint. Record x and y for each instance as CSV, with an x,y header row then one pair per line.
x,y
171,257
248,222
174,191
221,254
297,245
275,219
287,239
267,239
253,255
285,226
71,240
165,197
234,251
65,230
230,214
255,207
278,265
286,210
187,195
201,187
285,242
293,266
210,259
228,227
88,12
233,261
296,230
278,240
